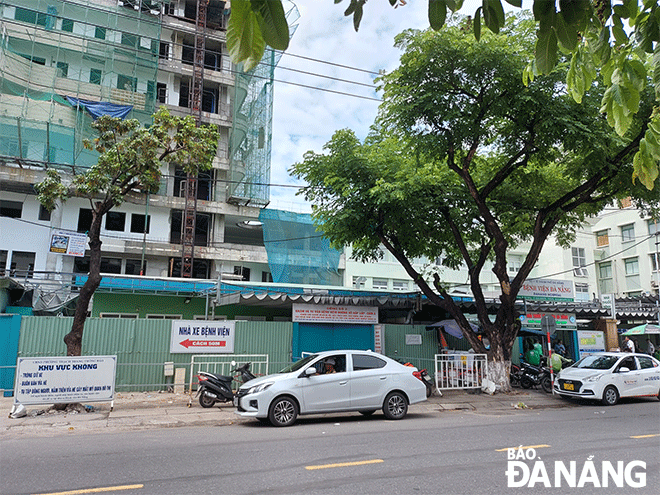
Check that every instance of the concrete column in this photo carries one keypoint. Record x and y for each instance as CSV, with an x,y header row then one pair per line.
x,y
609,327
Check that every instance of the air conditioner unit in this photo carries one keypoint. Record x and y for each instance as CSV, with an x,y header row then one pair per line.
x,y
654,284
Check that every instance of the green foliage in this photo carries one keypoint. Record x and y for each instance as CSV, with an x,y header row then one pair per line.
x,y
253,24
130,158
465,162
592,31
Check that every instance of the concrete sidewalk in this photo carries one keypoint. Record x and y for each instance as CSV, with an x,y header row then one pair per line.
x,y
144,410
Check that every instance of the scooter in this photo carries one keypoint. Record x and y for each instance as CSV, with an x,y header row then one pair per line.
x,y
515,375
535,375
217,388
424,376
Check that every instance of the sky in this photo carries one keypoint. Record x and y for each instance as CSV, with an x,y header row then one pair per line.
x,y
305,118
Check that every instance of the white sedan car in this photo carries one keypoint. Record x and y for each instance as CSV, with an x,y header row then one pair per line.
x,y
607,376
331,382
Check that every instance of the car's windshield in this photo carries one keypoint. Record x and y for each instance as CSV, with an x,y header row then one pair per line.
x,y
597,362
299,364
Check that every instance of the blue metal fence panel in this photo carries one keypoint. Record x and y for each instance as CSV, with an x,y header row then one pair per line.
x,y
10,326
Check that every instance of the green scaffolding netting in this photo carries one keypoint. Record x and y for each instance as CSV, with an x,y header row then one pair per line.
x,y
297,252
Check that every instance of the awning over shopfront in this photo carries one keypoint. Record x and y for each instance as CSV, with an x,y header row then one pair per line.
x,y
647,328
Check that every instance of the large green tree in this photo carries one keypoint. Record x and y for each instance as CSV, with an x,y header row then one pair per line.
x,y
593,31
131,159
465,162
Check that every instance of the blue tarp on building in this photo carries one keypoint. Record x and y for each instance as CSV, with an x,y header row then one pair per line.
x,y
98,108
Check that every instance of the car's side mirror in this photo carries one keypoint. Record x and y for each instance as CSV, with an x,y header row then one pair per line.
x,y
310,371
623,369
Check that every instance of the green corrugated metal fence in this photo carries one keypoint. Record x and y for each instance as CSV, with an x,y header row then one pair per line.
x,y
143,346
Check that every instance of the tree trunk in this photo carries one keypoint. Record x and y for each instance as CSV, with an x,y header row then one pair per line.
x,y
73,339
499,363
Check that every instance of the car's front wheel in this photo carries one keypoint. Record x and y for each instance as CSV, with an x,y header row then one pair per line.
x,y
395,405
283,412
610,396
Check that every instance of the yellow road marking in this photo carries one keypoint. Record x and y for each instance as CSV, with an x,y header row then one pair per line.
x,y
96,490
523,447
646,436
344,464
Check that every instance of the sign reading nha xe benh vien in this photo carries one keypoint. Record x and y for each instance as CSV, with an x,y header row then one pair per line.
x,y
202,336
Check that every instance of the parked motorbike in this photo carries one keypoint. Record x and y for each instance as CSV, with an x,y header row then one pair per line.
x,y
217,388
424,376
531,376
515,375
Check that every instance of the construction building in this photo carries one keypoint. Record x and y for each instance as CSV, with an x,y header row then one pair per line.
x,y
64,61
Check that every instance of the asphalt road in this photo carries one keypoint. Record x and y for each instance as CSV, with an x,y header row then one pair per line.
x,y
430,453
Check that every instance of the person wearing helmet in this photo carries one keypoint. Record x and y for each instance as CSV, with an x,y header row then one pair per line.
x,y
329,366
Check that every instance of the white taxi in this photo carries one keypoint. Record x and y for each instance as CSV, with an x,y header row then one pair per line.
x,y
607,376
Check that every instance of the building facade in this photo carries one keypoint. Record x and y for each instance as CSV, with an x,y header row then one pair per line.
x,y
60,60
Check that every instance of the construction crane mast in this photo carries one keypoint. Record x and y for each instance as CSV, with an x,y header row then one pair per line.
x,y
195,104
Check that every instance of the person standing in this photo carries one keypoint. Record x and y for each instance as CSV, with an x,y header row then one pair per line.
x,y
628,345
650,348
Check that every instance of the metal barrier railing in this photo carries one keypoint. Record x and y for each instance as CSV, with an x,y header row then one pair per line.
x,y
221,364
460,371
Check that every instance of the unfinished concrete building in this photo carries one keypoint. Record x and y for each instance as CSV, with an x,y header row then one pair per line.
x,y
63,60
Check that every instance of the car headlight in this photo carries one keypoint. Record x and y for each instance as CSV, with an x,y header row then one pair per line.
x,y
593,378
258,388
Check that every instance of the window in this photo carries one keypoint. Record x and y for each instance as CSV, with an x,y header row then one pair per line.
x,y
3,261
44,214
163,317
22,264
134,267
137,223
95,76
358,282
128,316
31,16
126,83
129,39
654,262
81,265
605,270
115,220
99,33
266,277
632,266
628,233
602,238
579,262
379,283
64,69
646,362
366,362
67,25
161,92
514,262
581,292
399,285
11,209
654,226
111,265
84,220
243,271
164,50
